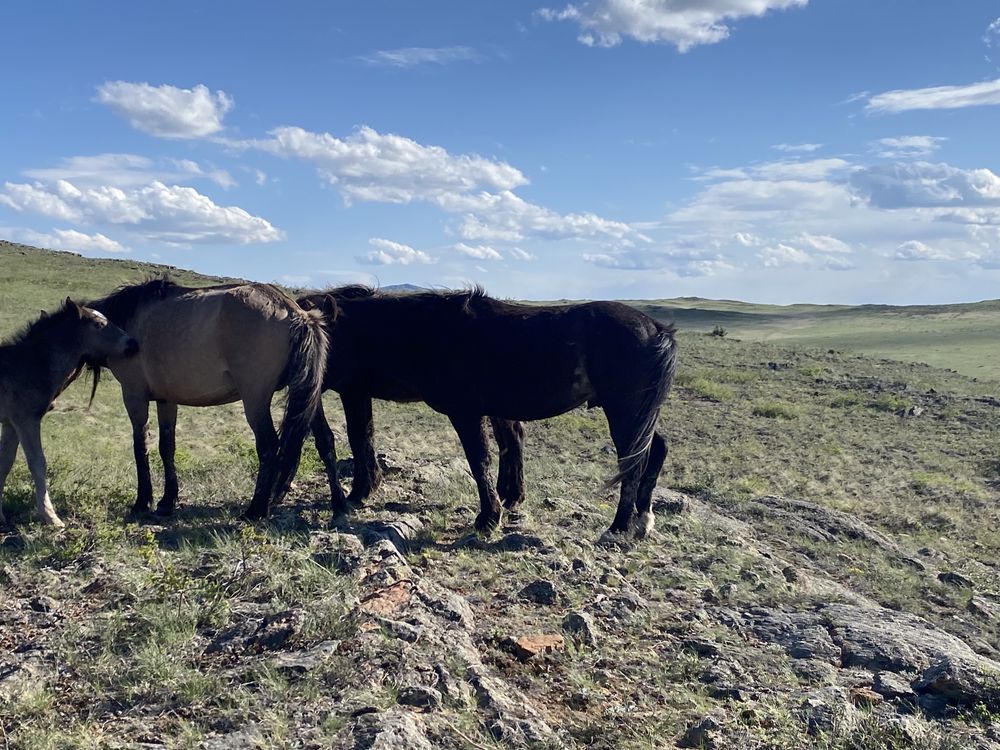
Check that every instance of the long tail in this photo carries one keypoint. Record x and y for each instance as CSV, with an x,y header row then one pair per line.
x,y
661,367
305,372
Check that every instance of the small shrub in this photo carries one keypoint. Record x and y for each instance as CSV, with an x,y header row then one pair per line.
x,y
775,410
845,400
709,389
811,371
889,402
719,331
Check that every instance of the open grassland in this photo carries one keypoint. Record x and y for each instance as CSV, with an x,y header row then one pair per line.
x,y
807,493
964,338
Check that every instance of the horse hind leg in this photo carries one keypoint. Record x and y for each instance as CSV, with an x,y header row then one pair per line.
x,y
509,435
647,482
631,463
258,413
471,433
166,418
327,449
360,432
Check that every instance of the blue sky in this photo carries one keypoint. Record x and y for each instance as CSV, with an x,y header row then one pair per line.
x,y
767,150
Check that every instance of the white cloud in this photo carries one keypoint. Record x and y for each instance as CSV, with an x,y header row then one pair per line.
x,y
506,216
167,111
482,252
389,253
798,148
992,35
782,254
409,57
70,239
823,243
921,184
127,170
683,23
917,250
372,166
907,146
679,261
936,97
518,254
156,211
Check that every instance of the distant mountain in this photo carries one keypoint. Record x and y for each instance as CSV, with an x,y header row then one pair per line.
x,y
402,288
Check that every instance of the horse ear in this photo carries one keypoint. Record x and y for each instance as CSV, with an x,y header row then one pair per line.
x,y
71,305
330,308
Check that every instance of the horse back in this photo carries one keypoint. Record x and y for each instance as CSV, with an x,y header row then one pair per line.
x,y
206,346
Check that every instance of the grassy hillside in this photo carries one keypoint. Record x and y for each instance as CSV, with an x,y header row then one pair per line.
x,y
964,338
823,575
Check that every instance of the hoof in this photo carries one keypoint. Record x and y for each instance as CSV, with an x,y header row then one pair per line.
x,y
356,501
50,519
138,510
513,504
614,538
164,510
643,525
253,515
488,523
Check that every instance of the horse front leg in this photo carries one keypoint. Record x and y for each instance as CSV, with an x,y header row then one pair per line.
x,y
471,432
138,414
360,431
166,418
29,433
8,452
509,435
258,413
327,449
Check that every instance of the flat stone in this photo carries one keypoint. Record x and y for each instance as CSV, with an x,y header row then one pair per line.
x,y
892,685
953,578
529,646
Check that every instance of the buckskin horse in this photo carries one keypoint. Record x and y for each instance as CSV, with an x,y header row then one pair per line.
x,y
216,345
36,365
470,356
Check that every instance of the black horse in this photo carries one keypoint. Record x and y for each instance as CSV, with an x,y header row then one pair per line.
x,y
470,356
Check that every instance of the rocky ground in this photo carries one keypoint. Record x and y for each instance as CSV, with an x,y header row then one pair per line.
x,y
823,578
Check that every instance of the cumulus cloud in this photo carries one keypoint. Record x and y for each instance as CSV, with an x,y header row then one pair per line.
x,y
782,254
373,166
409,57
128,170
798,148
156,211
922,184
907,146
936,97
683,23
481,252
70,239
685,262
167,111
389,253
823,243
992,35
917,250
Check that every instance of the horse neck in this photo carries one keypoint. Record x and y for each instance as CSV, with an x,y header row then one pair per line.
x,y
52,356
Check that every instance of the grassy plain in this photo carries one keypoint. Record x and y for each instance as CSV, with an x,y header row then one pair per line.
x,y
112,621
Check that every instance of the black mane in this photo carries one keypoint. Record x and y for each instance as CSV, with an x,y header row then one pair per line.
x,y
40,328
122,304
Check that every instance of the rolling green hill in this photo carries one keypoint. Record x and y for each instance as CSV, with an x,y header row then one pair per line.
x,y
964,338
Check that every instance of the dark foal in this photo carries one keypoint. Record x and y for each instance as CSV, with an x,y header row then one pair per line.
x,y
35,367
472,357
